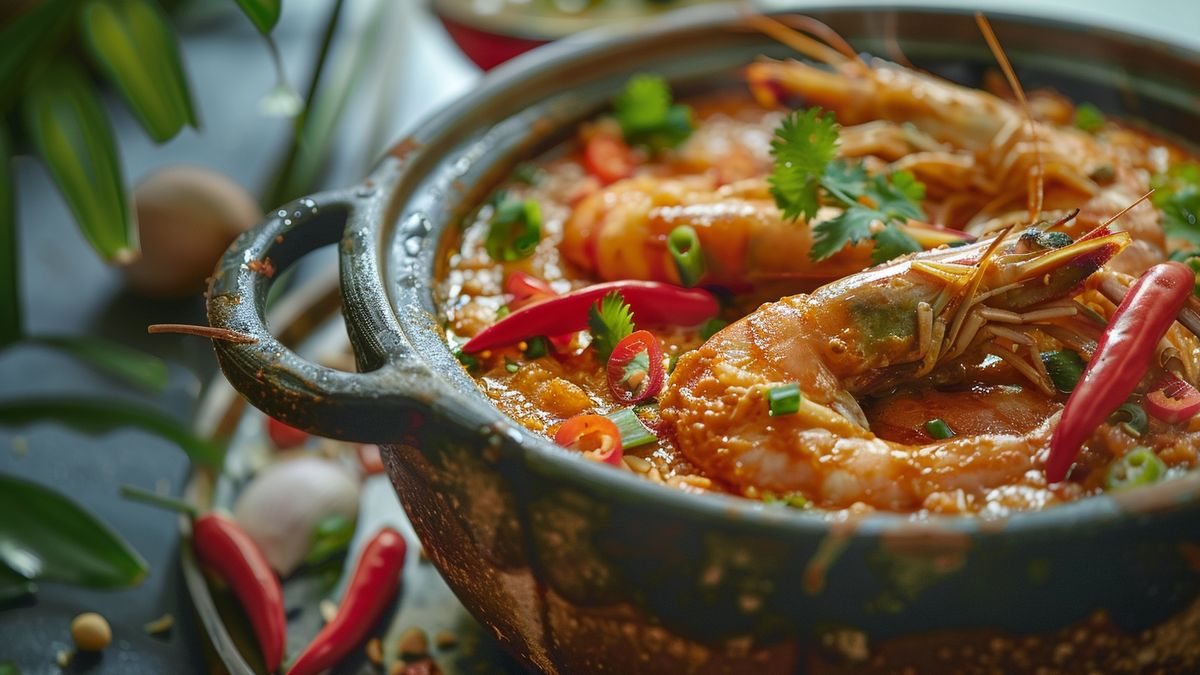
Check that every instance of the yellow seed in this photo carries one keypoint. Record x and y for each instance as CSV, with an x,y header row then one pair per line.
x,y
328,610
160,625
445,640
413,643
375,651
91,632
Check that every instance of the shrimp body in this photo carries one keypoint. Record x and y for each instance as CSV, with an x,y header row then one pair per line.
x,y
884,327
621,232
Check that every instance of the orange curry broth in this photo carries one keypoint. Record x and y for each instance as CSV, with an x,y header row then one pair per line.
x,y
543,393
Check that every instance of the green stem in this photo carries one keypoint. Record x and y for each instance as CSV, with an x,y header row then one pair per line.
x,y
11,329
280,188
154,499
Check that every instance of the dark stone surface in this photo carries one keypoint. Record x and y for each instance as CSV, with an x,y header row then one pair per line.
x,y
67,290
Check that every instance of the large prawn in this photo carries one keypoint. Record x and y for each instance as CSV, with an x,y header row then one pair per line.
x,y
981,155
913,321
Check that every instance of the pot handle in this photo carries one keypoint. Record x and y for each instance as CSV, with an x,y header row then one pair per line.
x,y
327,402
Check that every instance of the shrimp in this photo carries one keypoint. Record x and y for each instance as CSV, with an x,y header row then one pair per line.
x,y
621,232
984,152
913,320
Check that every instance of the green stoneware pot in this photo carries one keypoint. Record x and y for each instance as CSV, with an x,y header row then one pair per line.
x,y
580,568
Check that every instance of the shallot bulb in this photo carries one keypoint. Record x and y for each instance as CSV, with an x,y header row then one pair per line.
x,y
282,506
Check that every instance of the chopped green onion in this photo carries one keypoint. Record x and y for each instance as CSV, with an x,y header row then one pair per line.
x,y
469,362
1132,419
1089,118
674,359
939,429
511,366
536,347
502,311
784,399
711,327
684,245
633,432
647,115
515,231
1140,466
795,500
1065,367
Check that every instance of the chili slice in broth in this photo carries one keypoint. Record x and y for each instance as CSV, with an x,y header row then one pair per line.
x,y
595,436
635,369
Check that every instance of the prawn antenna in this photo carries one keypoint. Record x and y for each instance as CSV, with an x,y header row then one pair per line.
x,y
1037,180
1125,210
830,48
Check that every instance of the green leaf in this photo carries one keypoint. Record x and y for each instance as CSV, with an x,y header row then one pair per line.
x,y
647,116
264,14
45,536
1089,118
11,320
851,227
71,131
804,145
130,365
845,180
901,197
610,320
8,667
134,45
13,586
33,35
892,242
103,415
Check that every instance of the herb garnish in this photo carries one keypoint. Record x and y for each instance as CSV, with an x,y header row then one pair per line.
x,y
610,320
807,174
1177,195
647,115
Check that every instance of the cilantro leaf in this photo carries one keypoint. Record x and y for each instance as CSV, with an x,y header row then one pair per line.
x,y
1088,118
892,242
1177,195
900,197
845,180
647,116
804,145
610,320
851,227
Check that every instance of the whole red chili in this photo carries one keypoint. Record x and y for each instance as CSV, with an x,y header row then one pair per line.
x,y
652,302
371,589
1121,359
226,549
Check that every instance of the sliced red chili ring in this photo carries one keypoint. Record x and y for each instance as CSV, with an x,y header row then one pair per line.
x,y
607,158
635,368
595,436
1173,400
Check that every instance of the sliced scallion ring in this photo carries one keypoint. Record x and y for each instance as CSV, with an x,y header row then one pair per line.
x,y
684,245
633,432
1132,418
939,429
784,399
1140,466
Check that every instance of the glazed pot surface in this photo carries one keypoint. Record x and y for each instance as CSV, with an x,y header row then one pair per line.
x,y
578,568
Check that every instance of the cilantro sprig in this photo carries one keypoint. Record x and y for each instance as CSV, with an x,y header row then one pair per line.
x,y
648,116
610,320
1177,195
808,174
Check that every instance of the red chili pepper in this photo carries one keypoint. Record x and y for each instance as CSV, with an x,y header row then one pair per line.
x,y
525,289
1121,359
608,158
226,549
653,303
635,368
371,590
284,436
1172,400
595,436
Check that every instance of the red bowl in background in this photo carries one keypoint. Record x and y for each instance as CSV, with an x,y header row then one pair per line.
x,y
491,32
